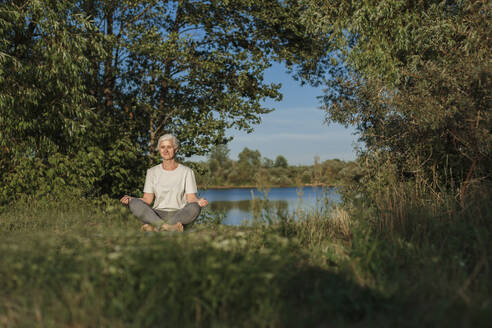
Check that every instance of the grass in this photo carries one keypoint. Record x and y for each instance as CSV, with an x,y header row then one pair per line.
x,y
86,264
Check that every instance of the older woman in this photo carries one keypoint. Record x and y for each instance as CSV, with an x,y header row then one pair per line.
x,y
174,188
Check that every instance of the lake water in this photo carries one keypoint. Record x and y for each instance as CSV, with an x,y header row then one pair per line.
x,y
238,205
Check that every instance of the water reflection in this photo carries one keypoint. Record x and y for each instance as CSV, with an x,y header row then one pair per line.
x,y
238,204
224,205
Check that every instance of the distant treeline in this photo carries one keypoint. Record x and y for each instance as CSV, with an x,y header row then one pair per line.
x,y
252,169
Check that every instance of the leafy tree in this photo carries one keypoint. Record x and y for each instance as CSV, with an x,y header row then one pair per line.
x,y
280,161
246,167
267,163
44,104
219,165
249,158
332,169
193,68
279,176
306,177
45,113
218,157
414,78
85,78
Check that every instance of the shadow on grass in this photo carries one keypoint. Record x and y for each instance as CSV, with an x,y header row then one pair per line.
x,y
318,298
224,278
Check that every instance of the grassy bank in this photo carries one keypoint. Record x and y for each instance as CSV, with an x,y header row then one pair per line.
x,y
76,264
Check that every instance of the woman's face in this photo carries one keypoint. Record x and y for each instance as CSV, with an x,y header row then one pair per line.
x,y
166,149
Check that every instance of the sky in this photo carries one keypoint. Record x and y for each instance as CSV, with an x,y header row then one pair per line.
x,y
296,128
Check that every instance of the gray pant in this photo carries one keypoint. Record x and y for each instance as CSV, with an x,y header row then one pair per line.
x,y
155,217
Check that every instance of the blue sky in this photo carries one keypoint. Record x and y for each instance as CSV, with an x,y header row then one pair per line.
x,y
295,129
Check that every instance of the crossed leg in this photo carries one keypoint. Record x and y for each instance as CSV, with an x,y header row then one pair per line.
x,y
155,220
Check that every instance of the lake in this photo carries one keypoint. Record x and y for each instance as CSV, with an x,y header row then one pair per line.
x,y
237,204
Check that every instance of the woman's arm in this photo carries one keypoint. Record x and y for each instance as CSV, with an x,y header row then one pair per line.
x,y
192,198
147,198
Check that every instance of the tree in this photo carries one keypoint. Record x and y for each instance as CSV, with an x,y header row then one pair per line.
x,y
246,167
218,157
42,95
414,78
280,161
100,81
331,168
192,68
219,164
45,111
267,163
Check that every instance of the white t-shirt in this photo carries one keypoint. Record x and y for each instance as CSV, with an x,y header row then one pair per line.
x,y
170,187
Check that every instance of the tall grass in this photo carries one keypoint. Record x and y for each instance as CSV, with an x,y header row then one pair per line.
x,y
397,261
432,249
77,264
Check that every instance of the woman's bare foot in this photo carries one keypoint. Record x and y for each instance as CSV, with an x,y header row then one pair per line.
x,y
172,227
148,227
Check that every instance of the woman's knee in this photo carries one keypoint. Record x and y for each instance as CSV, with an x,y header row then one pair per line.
x,y
188,214
137,206
195,209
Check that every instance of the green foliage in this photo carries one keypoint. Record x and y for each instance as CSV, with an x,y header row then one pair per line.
x,y
80,75
88,265
45,106
414,78
87,173
81,263
45,109
280,161
251,169
247,164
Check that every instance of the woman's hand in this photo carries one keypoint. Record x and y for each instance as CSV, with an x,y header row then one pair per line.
x,y
202,202
191,198
125,199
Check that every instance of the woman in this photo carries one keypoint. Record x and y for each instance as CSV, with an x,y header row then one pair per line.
x,y
174,188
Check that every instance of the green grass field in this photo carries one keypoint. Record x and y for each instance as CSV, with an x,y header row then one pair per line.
x,y
79,265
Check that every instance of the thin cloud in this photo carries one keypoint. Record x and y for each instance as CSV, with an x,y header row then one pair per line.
x,y
322,137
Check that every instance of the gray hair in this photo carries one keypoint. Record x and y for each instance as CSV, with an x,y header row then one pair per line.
x,y
168,137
